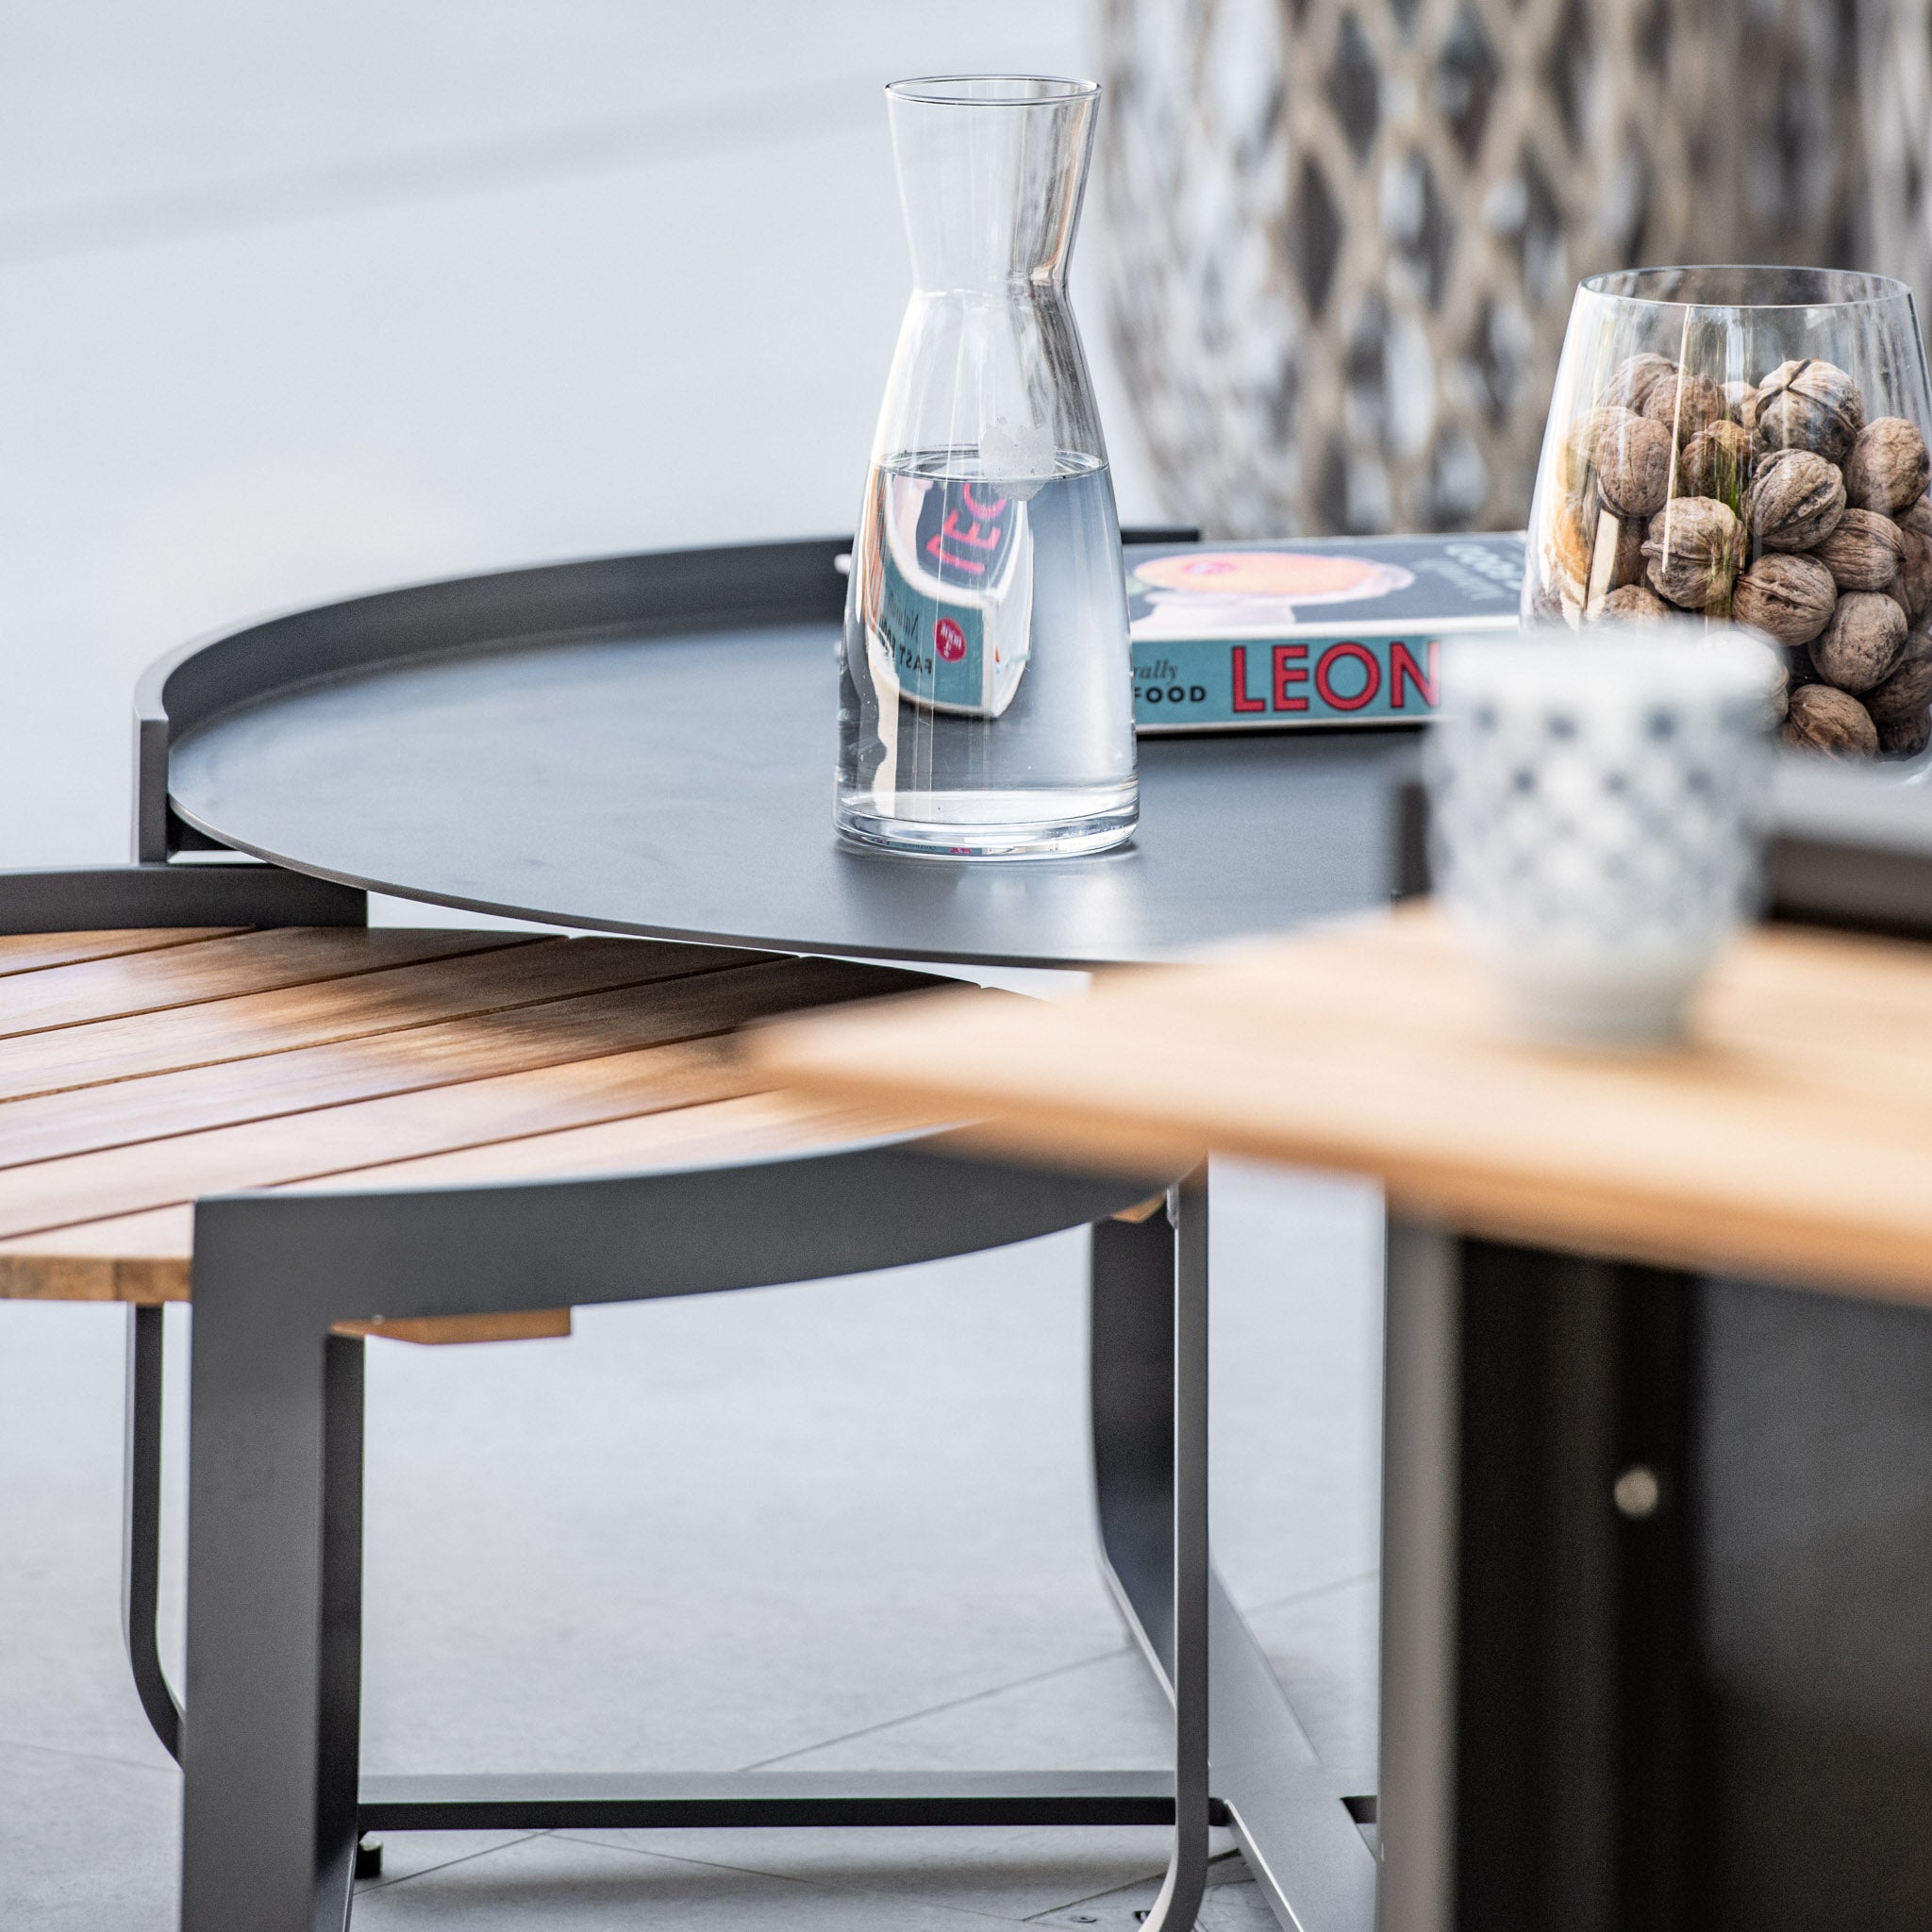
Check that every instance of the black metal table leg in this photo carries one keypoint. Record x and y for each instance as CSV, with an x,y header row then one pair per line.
x,y
1292,1815
269,1818
339,1744
1185,1411
141,1528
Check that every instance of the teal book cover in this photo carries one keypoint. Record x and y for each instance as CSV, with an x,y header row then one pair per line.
x,y
1290,633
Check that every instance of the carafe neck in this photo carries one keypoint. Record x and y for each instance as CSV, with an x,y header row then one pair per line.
x,y
992,169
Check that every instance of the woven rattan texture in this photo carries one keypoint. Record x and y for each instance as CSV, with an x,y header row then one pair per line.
x,y
1343,233
1895,122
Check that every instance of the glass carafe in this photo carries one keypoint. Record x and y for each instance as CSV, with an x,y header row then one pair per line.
x,y
986,689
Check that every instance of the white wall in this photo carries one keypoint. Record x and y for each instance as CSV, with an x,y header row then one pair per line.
x,y
300,301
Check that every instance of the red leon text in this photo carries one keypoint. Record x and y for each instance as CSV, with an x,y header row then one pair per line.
x,y
980,532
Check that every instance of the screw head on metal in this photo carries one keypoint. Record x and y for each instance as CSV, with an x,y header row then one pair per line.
x,y
1638,1493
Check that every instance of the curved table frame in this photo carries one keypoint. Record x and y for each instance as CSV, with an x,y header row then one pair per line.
x,y
1297,1820
275,1805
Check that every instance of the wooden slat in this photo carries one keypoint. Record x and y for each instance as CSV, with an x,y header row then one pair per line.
x,y
747,1126
145,1257
263,1154
271,1023
133,1257
1791,1138
32,952
555,1086
537,1325
219,969
50,1126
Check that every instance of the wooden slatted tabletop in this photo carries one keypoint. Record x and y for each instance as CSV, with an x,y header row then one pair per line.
x,y
141,1070
1791,1137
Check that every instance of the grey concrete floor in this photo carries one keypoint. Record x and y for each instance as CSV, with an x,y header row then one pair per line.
x,y
299,301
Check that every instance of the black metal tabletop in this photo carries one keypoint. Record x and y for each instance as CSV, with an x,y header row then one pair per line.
x,y
646,744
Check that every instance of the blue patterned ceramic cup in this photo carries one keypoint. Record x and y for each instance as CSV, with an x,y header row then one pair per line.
x,y
1596,813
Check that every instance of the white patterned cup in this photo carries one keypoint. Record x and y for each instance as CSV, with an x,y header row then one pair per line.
x,y
1596,813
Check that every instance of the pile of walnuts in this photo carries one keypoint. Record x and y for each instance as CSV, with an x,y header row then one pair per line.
x,y
1776,505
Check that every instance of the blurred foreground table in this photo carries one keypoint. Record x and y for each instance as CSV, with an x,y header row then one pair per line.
x,y
1658,1597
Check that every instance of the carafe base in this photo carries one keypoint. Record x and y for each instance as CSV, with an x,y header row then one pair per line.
x,y
998,825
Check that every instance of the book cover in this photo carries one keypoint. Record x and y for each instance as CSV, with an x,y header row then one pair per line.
x,y
1326,630
954,596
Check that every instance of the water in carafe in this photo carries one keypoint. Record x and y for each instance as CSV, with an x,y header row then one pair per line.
x,y
985,698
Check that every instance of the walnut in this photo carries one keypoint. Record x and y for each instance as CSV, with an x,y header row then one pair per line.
x,y
1714,463
1808,404
1634,379
1864,552
1633,464
1861,643
1694,547
1786,597
1576,453
1907,739
1913,584
1633,604
1685,406
1887,467
1821,719
1795,500
1902,706
1740,404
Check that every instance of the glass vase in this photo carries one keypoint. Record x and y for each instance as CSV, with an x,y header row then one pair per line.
x,y
986,692
1748,445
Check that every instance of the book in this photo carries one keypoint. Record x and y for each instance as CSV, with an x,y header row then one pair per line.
x,y
1290,633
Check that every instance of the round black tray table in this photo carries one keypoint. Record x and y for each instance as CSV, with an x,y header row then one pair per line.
x,y
645,744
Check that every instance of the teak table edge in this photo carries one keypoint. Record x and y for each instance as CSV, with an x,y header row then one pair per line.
x,y
1789,1138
